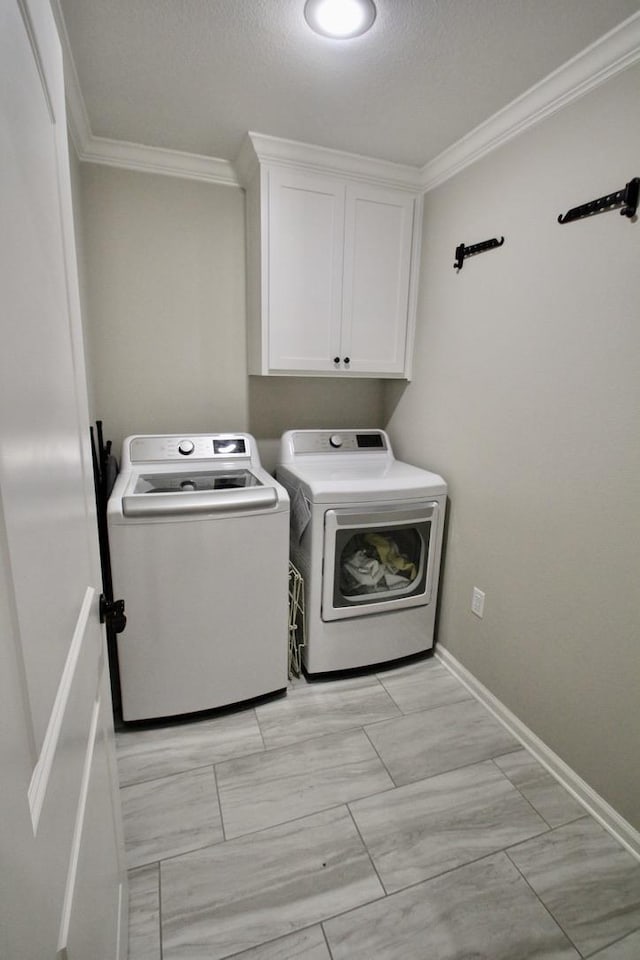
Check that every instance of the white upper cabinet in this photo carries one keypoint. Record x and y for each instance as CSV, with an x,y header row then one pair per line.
x,y
377,271
332,262
305,233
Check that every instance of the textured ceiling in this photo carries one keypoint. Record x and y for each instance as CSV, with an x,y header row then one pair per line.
x,y
196,75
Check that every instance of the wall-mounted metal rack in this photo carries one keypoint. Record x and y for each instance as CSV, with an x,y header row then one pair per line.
x,y
626,198
462,252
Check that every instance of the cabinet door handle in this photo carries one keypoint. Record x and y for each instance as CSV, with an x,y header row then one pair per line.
x,y
347,359
336,359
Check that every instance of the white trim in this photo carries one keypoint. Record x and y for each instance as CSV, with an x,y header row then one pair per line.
x,y
414,284
120,153
258,147
42,770
25,13
579,789
65,923
172,163
603,59
612,53
77,119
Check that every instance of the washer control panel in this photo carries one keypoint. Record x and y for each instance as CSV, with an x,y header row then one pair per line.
x,y
334,441
221,446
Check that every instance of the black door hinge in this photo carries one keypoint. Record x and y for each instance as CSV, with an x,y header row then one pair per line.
x,y
112,613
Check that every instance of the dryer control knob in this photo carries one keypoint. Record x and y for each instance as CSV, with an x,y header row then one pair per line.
x,y
185,447
335,440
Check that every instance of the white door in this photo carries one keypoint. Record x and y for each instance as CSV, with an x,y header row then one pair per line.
x,y
306,222
379,559
62,886
377,265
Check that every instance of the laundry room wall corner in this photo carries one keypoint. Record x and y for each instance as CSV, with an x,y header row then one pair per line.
x,y
525,397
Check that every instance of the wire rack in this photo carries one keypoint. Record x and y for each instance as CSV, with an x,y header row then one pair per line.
x,y
297,625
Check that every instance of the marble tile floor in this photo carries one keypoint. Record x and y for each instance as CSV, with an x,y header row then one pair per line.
x,y
383,816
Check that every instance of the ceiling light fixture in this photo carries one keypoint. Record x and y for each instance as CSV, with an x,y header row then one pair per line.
x,y
340,19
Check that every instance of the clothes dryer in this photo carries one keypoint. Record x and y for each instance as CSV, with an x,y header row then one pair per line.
x,y
366,535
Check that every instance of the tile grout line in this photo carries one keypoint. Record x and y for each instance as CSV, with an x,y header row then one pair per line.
x,y
266,943
243,836
526,799
198,766
326,939
362,841
419,883
166,776
565,823
462,766
331,806
215,780
257,719
378,754
594,956
293,933
391,697
539,898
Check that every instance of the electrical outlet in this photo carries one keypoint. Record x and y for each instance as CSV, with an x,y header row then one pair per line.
x,y
477,602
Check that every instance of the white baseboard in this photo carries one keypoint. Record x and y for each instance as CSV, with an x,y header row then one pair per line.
x,y
593,803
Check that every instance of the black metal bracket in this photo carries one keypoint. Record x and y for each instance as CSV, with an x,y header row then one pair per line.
x,y
463,252
627,199
112,613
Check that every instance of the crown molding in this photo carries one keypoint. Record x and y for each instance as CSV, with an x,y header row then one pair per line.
x,y
172,163
247,164
608,56
260,148
611,54
120,153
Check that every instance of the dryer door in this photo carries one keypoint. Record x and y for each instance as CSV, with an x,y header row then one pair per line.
x,y
378,559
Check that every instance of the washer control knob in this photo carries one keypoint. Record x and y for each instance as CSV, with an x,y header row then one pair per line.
x,y
185,447
335,440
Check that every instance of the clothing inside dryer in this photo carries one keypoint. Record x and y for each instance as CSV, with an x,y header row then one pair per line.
x,y
380,561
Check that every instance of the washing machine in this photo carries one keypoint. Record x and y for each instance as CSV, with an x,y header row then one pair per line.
x,y
366,535
198,533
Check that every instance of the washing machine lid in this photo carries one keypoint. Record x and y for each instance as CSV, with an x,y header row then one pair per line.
x,y
197,492
173,475
198,480
351,482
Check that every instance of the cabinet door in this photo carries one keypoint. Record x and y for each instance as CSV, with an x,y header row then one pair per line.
x,y
305,235
377,270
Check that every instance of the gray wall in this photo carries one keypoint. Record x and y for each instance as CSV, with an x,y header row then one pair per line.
x,y
164,275
527,399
